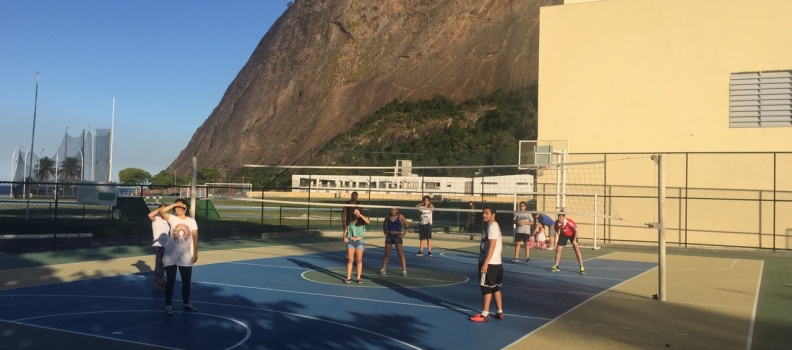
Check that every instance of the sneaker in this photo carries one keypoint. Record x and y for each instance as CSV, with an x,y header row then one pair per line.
x,y
419,254
383,272
347,280
430,253
359,280
499,315
169,310
515,260
479,318
555,269
157,288
527,259
190,308
404,273
550,248
582,270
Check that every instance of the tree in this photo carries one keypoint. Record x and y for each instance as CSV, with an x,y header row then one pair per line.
x,y
70,169
45,169
134,176
208,174
164,178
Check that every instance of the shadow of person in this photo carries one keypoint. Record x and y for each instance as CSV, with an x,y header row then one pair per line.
x,y
142,266
308,266
415,294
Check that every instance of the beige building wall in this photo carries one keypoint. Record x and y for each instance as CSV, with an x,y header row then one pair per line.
x,y
632,76
653,75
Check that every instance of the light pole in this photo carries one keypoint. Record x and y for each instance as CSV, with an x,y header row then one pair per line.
x,y
38,166
82,163
32,138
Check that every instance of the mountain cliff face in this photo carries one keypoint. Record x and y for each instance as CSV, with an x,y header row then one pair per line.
x,y
324,65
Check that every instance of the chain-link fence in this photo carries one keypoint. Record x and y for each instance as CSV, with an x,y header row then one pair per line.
x,y
713,199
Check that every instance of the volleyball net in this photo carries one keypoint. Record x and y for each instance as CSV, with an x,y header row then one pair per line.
x,y
317,194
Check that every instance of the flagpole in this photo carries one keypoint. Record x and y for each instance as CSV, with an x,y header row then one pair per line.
x,y
112,129
32,139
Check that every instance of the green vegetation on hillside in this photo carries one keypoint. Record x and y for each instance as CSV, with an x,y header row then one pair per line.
x,y
484,130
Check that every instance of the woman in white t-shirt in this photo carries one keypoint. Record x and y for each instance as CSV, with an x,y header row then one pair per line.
x,y
181,251
160,231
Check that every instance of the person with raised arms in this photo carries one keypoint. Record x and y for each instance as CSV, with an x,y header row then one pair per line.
x,y
181,251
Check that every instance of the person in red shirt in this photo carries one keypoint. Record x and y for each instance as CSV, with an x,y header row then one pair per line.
x,y
566,229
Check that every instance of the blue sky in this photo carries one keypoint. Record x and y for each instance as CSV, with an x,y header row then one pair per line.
x,y
167,64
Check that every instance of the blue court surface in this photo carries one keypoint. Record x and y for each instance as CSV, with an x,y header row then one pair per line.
x,y
300,302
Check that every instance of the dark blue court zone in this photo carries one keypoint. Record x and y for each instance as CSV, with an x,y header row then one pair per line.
x,y
300,302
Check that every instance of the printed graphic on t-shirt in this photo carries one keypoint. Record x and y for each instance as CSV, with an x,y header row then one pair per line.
x,y
182,233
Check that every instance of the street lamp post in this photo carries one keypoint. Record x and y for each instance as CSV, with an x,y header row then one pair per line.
x,y
32,138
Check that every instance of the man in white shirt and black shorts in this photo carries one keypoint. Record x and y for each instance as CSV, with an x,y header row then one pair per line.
x,y
490,266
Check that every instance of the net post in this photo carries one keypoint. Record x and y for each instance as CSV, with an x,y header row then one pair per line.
x,y
595,222
661,201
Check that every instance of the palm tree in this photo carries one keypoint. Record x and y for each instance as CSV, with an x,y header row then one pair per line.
x,y
70,169
46,168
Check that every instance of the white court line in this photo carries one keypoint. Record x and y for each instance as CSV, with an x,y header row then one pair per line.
x,y
217,304
247,329
753,313
572,309
91,335
674,302
355,298
377,275
265,265
733,262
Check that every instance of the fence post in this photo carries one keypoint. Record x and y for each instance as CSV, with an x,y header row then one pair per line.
x,y
55,232
775,182
760,219
280,217
661,233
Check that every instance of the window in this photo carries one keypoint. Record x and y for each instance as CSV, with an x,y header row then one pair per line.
x,y
760,99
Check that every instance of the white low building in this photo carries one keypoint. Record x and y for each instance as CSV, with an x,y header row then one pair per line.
x,y
405,182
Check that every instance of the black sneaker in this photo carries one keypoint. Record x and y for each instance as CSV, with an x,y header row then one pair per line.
x,y
430,253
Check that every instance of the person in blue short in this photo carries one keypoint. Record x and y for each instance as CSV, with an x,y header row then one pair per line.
x,y
394,227
353,237
549,228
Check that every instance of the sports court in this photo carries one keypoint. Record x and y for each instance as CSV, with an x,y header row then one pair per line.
x,y
289,294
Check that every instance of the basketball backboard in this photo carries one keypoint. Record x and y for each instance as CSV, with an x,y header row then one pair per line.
x,y
534,153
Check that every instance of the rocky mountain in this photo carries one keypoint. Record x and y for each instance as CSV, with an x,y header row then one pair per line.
x,y
325,64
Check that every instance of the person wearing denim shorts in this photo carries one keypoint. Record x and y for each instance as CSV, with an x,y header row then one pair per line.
x,y
353,237
394,227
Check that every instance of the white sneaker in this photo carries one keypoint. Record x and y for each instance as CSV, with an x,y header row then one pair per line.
x,y
383,272
550,248
404,273
169,310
